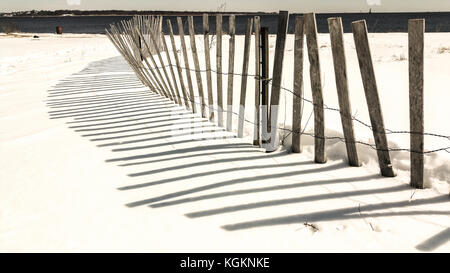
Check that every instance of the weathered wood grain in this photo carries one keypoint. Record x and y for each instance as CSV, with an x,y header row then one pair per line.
x,y
244,77
316,87
373,101
340,71
416,30
298,85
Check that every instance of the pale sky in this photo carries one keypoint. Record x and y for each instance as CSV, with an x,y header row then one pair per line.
x,y
300,6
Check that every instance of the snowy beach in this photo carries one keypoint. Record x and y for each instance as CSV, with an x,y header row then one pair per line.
x,y
93,161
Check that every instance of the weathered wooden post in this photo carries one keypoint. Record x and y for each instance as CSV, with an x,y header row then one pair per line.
x,y
230,74
316,87
179,70
340,71
198,74
219,69
208,66
416,30
371,92
172,72
257,119
186,64
265,125
276,79
244,74
298,85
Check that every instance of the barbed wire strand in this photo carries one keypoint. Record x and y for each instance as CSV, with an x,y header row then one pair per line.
x,y
342,139
302,132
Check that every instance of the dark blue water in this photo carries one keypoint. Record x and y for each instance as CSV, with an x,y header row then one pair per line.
x,y
376,22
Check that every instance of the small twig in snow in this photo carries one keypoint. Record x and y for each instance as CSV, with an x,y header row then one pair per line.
x,y
370,224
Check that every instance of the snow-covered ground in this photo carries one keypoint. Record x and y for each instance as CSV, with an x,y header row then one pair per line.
x,y
92,161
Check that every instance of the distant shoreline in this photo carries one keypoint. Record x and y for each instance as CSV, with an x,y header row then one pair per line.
x,y
96,24
186,13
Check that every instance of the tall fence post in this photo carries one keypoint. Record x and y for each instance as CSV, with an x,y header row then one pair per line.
x,y
373,101
208,66
230,74
219,69
244,74
172,72
196,65
186,64
298,85
276,79
340,71
265,125
316,88
257,119
177,62
416,30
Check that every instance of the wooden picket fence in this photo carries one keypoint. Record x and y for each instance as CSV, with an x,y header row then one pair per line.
x,y
142,43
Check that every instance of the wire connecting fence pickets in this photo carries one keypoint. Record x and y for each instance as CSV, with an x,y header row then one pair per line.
x,y
416,29
316,87
372,98
340,71
298,85
143,45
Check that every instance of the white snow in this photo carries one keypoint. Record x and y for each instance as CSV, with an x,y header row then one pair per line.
x,y
92,161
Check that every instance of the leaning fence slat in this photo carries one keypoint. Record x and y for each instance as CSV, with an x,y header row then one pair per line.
x,y
416,30
230,74
161,78
257,121
340,71
119,48
219,69
152,75
373,101
276,80
154,40
316,87
186,64
196,65
177,62
172,72
244,75
208,66
298,85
